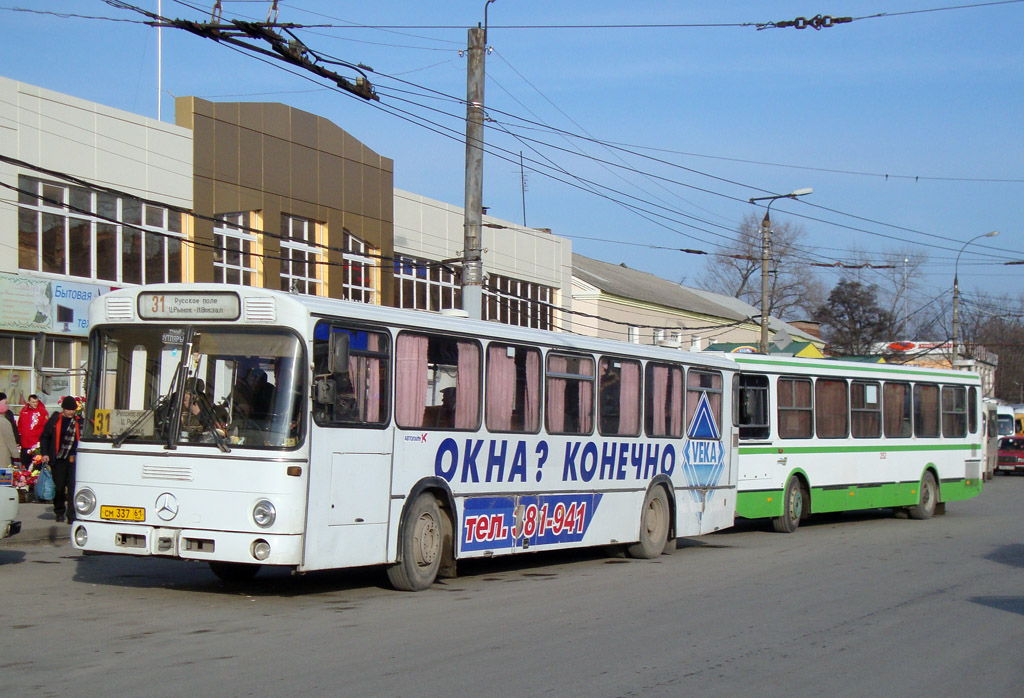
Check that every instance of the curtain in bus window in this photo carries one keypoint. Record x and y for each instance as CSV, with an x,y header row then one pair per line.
x,y
831,408
586,392
795,416
926,410
556,394
657,398
896,410
704,382
365,375
410,380
676,412
531,418
501,386
467,386
629,399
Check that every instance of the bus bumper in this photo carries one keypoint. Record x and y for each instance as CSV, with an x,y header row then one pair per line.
x,y
188,544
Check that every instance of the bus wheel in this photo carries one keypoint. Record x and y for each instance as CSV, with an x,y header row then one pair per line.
x,y
792,508
234,572
419,546
925,506
654,525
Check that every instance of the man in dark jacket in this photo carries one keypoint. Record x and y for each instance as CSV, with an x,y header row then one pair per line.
x,y
58,445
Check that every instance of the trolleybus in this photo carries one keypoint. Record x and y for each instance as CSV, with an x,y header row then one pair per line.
x,y
246,427
826,436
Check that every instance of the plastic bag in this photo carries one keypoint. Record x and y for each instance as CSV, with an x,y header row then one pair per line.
x,y
44,486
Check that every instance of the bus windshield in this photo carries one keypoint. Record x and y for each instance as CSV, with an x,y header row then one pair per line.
x,y
220,386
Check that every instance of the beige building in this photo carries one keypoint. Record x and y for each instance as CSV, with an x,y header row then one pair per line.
x,y
616,302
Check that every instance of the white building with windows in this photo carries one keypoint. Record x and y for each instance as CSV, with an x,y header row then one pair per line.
x,y
67,243
528,271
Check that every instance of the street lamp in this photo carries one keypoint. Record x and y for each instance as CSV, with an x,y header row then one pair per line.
x,y
766,225
956,294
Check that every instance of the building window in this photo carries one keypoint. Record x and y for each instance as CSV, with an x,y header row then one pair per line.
x,y
633,335
359,273
74,231
300,255
233,257
515,302
424,285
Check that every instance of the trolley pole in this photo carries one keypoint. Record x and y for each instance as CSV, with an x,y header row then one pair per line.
x,y
472,262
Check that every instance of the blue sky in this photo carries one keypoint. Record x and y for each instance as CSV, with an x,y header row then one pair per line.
x,y
722,113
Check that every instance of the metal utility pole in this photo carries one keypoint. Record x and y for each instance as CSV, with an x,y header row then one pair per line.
x,y
472,262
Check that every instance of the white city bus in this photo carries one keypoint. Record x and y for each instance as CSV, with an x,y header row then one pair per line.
x,y
246,427
825,436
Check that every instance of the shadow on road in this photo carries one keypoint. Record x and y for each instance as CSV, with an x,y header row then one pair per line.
x,y
1013,604
1012,555
11,556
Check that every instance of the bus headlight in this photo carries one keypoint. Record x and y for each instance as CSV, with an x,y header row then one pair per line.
x,y
81,537
85,501
260,549
264,514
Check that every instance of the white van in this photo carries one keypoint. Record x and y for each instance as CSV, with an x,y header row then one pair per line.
x,y
8,511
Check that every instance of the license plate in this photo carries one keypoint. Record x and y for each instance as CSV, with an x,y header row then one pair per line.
x,y
123,513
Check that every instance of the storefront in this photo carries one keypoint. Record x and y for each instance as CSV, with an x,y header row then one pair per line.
x,y
44,325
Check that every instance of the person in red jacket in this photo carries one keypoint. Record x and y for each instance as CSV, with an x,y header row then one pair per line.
x,y
30,427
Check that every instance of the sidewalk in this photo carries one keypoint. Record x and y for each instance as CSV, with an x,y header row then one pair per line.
x,y
38,526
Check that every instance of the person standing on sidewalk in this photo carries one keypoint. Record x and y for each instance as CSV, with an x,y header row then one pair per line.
x,y
58,445
31,422
8,435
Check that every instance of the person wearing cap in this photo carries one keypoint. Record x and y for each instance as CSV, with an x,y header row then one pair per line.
x,y
58,445
8,435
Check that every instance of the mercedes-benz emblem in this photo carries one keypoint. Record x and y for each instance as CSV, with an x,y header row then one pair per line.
x,y
166,506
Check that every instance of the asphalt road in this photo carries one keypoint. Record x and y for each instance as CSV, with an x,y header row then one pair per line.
x,y
853,605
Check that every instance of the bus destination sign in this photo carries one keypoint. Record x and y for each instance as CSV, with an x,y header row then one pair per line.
x,y
189,306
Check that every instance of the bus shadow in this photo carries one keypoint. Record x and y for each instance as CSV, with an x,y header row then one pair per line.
x,y
1012,604
1012,555
815,521
187,576
11,556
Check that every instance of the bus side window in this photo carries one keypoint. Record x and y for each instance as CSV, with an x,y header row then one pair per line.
x,y
357,393
752,406
437,382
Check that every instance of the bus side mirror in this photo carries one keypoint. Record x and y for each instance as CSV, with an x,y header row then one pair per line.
x,y
337,360
326,391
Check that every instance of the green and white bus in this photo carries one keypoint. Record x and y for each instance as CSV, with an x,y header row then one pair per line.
x,y
826,436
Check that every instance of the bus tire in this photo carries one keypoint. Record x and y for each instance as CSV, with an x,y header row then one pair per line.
x,y
792,508
654,526
419,546
234,572
929,497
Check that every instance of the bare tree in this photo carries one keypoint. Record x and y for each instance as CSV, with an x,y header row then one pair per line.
x,y
794,291
896,278
852,320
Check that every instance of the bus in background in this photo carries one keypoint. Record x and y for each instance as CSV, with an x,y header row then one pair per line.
x,y
246,427
825,436
1018,420
1006,416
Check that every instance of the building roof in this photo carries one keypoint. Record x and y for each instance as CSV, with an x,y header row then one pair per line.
x,y
620,280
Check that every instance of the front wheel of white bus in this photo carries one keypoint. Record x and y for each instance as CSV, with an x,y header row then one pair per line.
x,y
792,508
419,546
